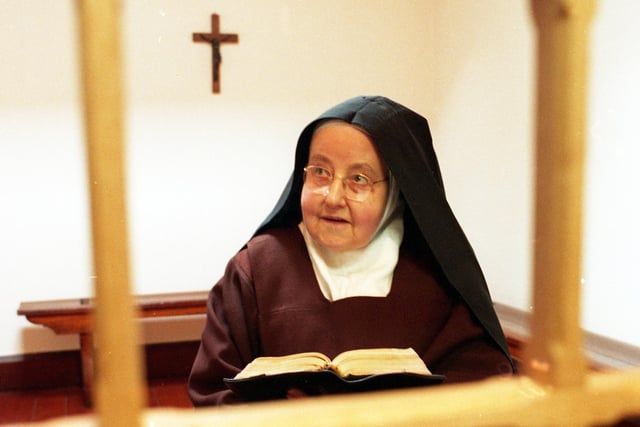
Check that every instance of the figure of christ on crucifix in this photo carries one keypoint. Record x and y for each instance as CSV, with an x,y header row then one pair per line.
x,y
215,39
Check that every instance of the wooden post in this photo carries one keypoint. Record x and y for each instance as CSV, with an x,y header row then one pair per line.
x,y
118,384
555,353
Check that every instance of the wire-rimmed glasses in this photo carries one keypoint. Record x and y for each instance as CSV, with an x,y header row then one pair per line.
x,y
357,187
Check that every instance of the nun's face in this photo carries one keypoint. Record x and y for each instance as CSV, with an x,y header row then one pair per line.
x,y
339,209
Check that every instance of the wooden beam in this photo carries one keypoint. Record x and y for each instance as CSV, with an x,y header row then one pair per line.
x,y
119,390
555,355
519,401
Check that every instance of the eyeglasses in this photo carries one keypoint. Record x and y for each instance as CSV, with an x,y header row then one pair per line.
x,y
357,187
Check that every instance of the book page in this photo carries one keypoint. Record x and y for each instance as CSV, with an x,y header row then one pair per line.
x,y
298,362
379,361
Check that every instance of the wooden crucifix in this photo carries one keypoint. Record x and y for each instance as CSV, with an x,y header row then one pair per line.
x,y
215,39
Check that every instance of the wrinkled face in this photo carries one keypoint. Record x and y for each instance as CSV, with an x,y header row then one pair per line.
x,y
332,219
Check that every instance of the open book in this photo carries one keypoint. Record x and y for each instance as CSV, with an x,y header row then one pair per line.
x,y
315,373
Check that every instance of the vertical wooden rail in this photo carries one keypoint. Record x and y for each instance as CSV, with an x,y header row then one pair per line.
x,y
119,391
555,354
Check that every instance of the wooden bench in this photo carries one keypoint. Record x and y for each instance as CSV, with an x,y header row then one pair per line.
x,y
73,316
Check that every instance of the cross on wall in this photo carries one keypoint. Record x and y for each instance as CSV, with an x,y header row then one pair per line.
x,y
215,39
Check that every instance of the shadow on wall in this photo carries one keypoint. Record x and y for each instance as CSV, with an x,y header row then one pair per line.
x,y
39,339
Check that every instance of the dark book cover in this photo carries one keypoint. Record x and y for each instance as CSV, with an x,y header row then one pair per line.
x,y
267,387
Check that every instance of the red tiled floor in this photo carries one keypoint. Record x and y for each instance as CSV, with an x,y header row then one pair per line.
x,y
38,405
169,394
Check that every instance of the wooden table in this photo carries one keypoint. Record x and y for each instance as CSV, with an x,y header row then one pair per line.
x,y
74,316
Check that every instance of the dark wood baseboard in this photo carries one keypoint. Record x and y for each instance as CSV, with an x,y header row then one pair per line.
x,y
170,360
63,368
40,370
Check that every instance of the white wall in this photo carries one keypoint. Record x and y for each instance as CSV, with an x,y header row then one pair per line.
x,y
205,169
612,246
483,126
